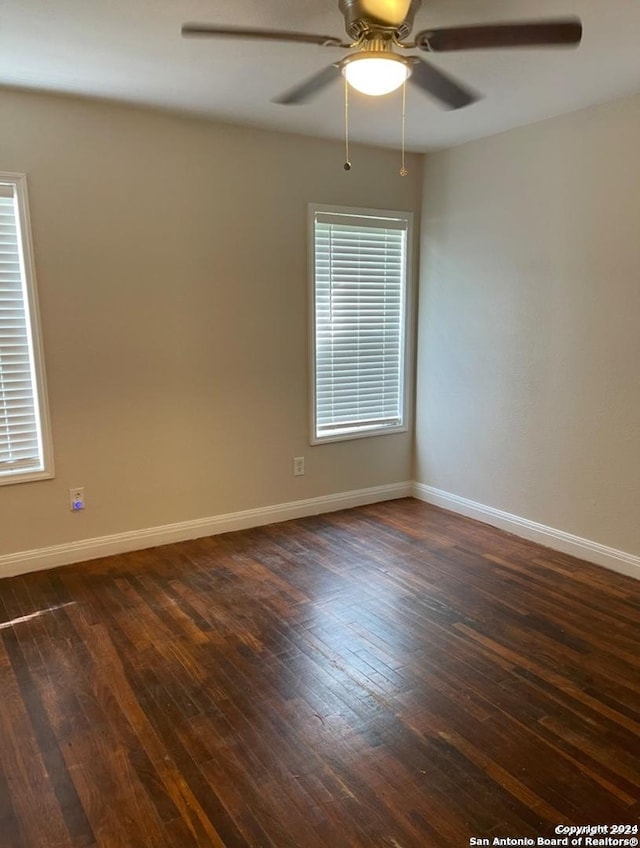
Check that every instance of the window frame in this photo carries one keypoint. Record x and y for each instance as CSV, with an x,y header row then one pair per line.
x,y
45,471
405,361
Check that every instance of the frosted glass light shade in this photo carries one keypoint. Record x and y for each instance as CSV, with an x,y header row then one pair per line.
x,y
375,75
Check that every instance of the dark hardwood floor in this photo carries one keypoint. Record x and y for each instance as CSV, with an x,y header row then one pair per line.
x,y
390,676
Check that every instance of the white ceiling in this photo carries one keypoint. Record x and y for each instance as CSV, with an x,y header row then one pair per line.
x,y
132,50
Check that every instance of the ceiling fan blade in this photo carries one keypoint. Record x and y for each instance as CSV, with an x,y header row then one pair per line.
x,y
451,93
209,30
387,12
308,88
567,31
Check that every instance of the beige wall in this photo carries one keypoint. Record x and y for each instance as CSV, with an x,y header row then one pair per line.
x,y
529,326
171,264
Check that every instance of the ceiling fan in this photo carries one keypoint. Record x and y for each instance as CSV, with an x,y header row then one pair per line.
x,y
378,30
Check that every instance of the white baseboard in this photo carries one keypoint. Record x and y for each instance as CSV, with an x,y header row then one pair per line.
x,y
135,540
87,549
620,561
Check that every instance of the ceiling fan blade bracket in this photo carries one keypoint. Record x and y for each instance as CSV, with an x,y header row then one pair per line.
x,y
422,41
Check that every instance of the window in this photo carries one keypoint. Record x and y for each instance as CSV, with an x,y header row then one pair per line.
x,y
25,449
359,302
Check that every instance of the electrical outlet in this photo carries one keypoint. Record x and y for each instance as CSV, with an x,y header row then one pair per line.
x,y
298,466
76,499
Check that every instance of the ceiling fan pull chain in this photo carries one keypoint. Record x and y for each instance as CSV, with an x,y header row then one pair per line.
x,y
347,163
403,170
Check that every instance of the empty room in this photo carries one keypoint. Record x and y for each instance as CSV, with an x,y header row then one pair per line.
x,y
319,423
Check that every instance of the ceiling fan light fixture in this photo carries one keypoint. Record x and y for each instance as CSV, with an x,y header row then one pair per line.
x,y
373,74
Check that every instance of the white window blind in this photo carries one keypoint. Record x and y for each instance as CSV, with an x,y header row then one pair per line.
x,y
22,453
360,271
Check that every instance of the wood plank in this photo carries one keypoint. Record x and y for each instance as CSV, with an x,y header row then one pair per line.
x,y
393,676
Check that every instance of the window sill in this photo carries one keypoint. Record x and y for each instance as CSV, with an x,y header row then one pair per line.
x,y
6,479
359,434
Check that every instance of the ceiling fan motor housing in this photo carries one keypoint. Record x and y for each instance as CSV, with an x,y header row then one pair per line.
x,y
359,21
